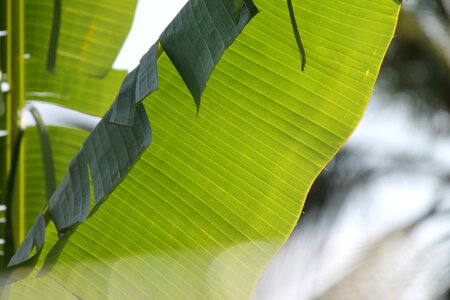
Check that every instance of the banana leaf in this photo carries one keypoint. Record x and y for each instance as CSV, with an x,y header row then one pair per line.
x,y
214,196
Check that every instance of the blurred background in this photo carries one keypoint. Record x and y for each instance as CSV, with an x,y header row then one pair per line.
x,y
376,224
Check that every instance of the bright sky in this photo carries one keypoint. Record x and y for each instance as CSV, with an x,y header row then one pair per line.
x,y
151,18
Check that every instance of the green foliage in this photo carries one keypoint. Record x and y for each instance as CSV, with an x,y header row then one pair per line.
x,y
214,197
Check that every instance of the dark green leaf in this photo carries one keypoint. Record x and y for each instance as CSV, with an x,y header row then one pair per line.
x,y
138,84
112,149
197,37
70,203
147,79
123,108
35,237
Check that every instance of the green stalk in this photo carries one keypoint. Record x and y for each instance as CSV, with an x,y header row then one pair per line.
x,y
15,102
3,158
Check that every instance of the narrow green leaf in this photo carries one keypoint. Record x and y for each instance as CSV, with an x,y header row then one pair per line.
x,y
46,150
297,34
197,37
54,36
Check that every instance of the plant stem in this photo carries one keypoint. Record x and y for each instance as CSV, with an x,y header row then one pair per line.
x,y
3,139
15,100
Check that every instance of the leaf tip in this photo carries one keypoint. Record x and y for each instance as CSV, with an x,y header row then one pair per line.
x,y
198,110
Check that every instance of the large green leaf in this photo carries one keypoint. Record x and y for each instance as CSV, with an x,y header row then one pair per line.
x,y
214,197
